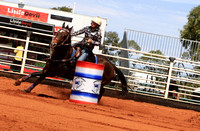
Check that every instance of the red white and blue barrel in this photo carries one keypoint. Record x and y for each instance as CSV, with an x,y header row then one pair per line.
x,y
86,83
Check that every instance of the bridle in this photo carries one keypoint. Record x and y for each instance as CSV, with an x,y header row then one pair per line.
x,y
68,31
53,45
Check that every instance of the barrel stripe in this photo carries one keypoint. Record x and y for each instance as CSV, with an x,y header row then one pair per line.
x,y
85,94
86,82
89,71
82,98
85,64
96,77
82,102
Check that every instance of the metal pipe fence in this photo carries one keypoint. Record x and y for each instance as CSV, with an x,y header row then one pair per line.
x,y
149,73
149,76
169,46
35,51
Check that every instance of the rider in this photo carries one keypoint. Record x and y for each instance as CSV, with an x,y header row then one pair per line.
x,y
92,38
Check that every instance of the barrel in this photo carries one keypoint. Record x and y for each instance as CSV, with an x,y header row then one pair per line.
x,y
86,83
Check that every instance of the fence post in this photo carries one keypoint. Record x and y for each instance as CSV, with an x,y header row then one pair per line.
x,y
124,54
25,52
169,76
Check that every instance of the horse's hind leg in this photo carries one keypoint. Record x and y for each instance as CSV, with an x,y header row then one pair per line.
x,y
102,90
28,90
24,78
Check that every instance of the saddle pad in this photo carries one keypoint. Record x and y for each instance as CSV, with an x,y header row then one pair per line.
x,y
74,60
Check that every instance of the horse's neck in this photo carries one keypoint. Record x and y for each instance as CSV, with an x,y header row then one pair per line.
x,y
62,52
68,54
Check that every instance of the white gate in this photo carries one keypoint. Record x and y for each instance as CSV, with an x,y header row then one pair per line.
x,y
151,74
155,70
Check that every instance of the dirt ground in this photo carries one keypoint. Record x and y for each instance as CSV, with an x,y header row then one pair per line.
x,y
48,108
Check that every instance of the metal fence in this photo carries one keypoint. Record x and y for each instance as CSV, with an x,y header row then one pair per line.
x,y
149,74
150,77
158,63
168,46
33,54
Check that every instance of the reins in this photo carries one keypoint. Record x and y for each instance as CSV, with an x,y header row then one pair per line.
x,y
63,43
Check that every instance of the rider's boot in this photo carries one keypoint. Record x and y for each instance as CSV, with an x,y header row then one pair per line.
x,y
76,56
78,53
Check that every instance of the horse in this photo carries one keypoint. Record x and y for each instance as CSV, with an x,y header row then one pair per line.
x,y
60,64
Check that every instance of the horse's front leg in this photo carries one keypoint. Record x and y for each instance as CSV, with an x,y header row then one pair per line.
x,y
24,78
38,81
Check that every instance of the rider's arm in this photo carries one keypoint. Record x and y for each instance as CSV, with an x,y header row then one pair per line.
x,y
79,32
97,40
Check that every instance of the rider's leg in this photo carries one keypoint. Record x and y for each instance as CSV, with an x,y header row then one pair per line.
x,y
78,48
83,56
78,52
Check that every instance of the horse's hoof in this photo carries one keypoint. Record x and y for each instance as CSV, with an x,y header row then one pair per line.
x,y
17,83
124,92
24,90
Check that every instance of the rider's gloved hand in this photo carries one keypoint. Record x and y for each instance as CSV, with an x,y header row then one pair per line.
x,y
89,40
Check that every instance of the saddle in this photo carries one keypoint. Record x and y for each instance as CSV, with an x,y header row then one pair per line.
x,y
77,53
74,56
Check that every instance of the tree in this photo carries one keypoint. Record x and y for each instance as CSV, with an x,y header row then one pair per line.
x,y
156,61
63,8
147,59
131,45
192,31
192,28
112,39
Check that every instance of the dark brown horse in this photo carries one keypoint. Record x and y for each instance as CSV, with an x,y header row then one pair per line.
x,y
61,65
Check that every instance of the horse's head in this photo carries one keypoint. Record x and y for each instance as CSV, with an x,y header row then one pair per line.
x,y
62,37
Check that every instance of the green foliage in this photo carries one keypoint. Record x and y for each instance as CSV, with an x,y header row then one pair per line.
x,y
156,61
192,31
63,8
112,39
192,28
133,45
185,56
147,59
38,64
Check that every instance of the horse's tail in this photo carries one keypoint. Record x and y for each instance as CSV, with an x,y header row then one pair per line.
x,y
122,78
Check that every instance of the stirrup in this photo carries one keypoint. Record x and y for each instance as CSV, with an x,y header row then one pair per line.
x,y
71,60
78,54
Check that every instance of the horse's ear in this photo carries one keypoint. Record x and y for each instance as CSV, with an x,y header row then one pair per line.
x,y
63,26
67,27
71,29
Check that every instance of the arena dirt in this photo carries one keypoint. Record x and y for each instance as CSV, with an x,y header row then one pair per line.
x,y
48,108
